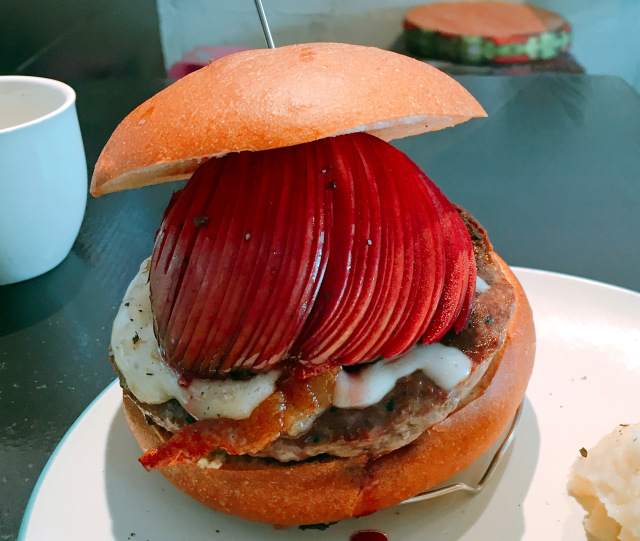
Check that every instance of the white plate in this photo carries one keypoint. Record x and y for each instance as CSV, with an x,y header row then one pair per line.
x,y
587,370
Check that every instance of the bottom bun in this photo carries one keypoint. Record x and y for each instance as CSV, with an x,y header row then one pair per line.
x,y
329,489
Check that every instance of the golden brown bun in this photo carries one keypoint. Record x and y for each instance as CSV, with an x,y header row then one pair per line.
x,y
317,491
269,98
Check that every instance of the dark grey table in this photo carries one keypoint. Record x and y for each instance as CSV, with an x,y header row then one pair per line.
x,y
553,174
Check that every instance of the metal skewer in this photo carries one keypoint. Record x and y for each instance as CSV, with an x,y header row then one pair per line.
x,y
477,488
265,24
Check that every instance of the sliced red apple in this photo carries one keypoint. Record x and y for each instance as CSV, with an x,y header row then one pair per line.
x,y
465,312
338,328
253,247
372,250
300,259
209,316
339,251
396,247
207,275
387,286
429,261
459,283
247,242
282,205
340,233
173,249
249,315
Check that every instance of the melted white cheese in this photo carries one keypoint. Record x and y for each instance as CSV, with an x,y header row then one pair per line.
x,y
446,366
138,358
481,285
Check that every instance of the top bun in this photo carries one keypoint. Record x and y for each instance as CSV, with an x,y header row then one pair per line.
x,y
269,98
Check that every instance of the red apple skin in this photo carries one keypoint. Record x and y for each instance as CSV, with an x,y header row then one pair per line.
x,y
425,232
396,264
211,311
336,316
304,250
340,237
367,261
258,234
335,252
173,248
459,285
465,312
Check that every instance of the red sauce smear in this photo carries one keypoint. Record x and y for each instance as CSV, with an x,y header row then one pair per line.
x,y
368,535
185,380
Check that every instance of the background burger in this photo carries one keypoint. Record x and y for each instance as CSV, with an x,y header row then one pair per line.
x,y
319,333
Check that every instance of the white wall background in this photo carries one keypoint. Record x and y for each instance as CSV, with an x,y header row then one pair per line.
x,y
606,32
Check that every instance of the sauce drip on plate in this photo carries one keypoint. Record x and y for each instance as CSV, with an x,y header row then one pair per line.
x,y
368,535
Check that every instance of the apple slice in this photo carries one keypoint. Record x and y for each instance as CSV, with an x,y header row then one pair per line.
x,y
173,246
465,312
429,261
335,252
303,253
340,231
366,342
253,247
279,205
208,270
360,347
364,261
212,307
459,284
373,251
257,194
266,243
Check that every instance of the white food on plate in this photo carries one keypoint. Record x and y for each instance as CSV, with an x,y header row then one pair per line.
x,y
606,482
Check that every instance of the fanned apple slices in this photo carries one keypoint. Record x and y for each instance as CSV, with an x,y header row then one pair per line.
x,y
335,252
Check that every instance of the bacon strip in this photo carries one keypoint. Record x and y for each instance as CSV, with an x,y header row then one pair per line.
x,y
295,400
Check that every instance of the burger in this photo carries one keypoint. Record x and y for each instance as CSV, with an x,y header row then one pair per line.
x,y
318,332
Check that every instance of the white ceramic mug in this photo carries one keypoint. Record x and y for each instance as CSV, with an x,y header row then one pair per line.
x,y
43,176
